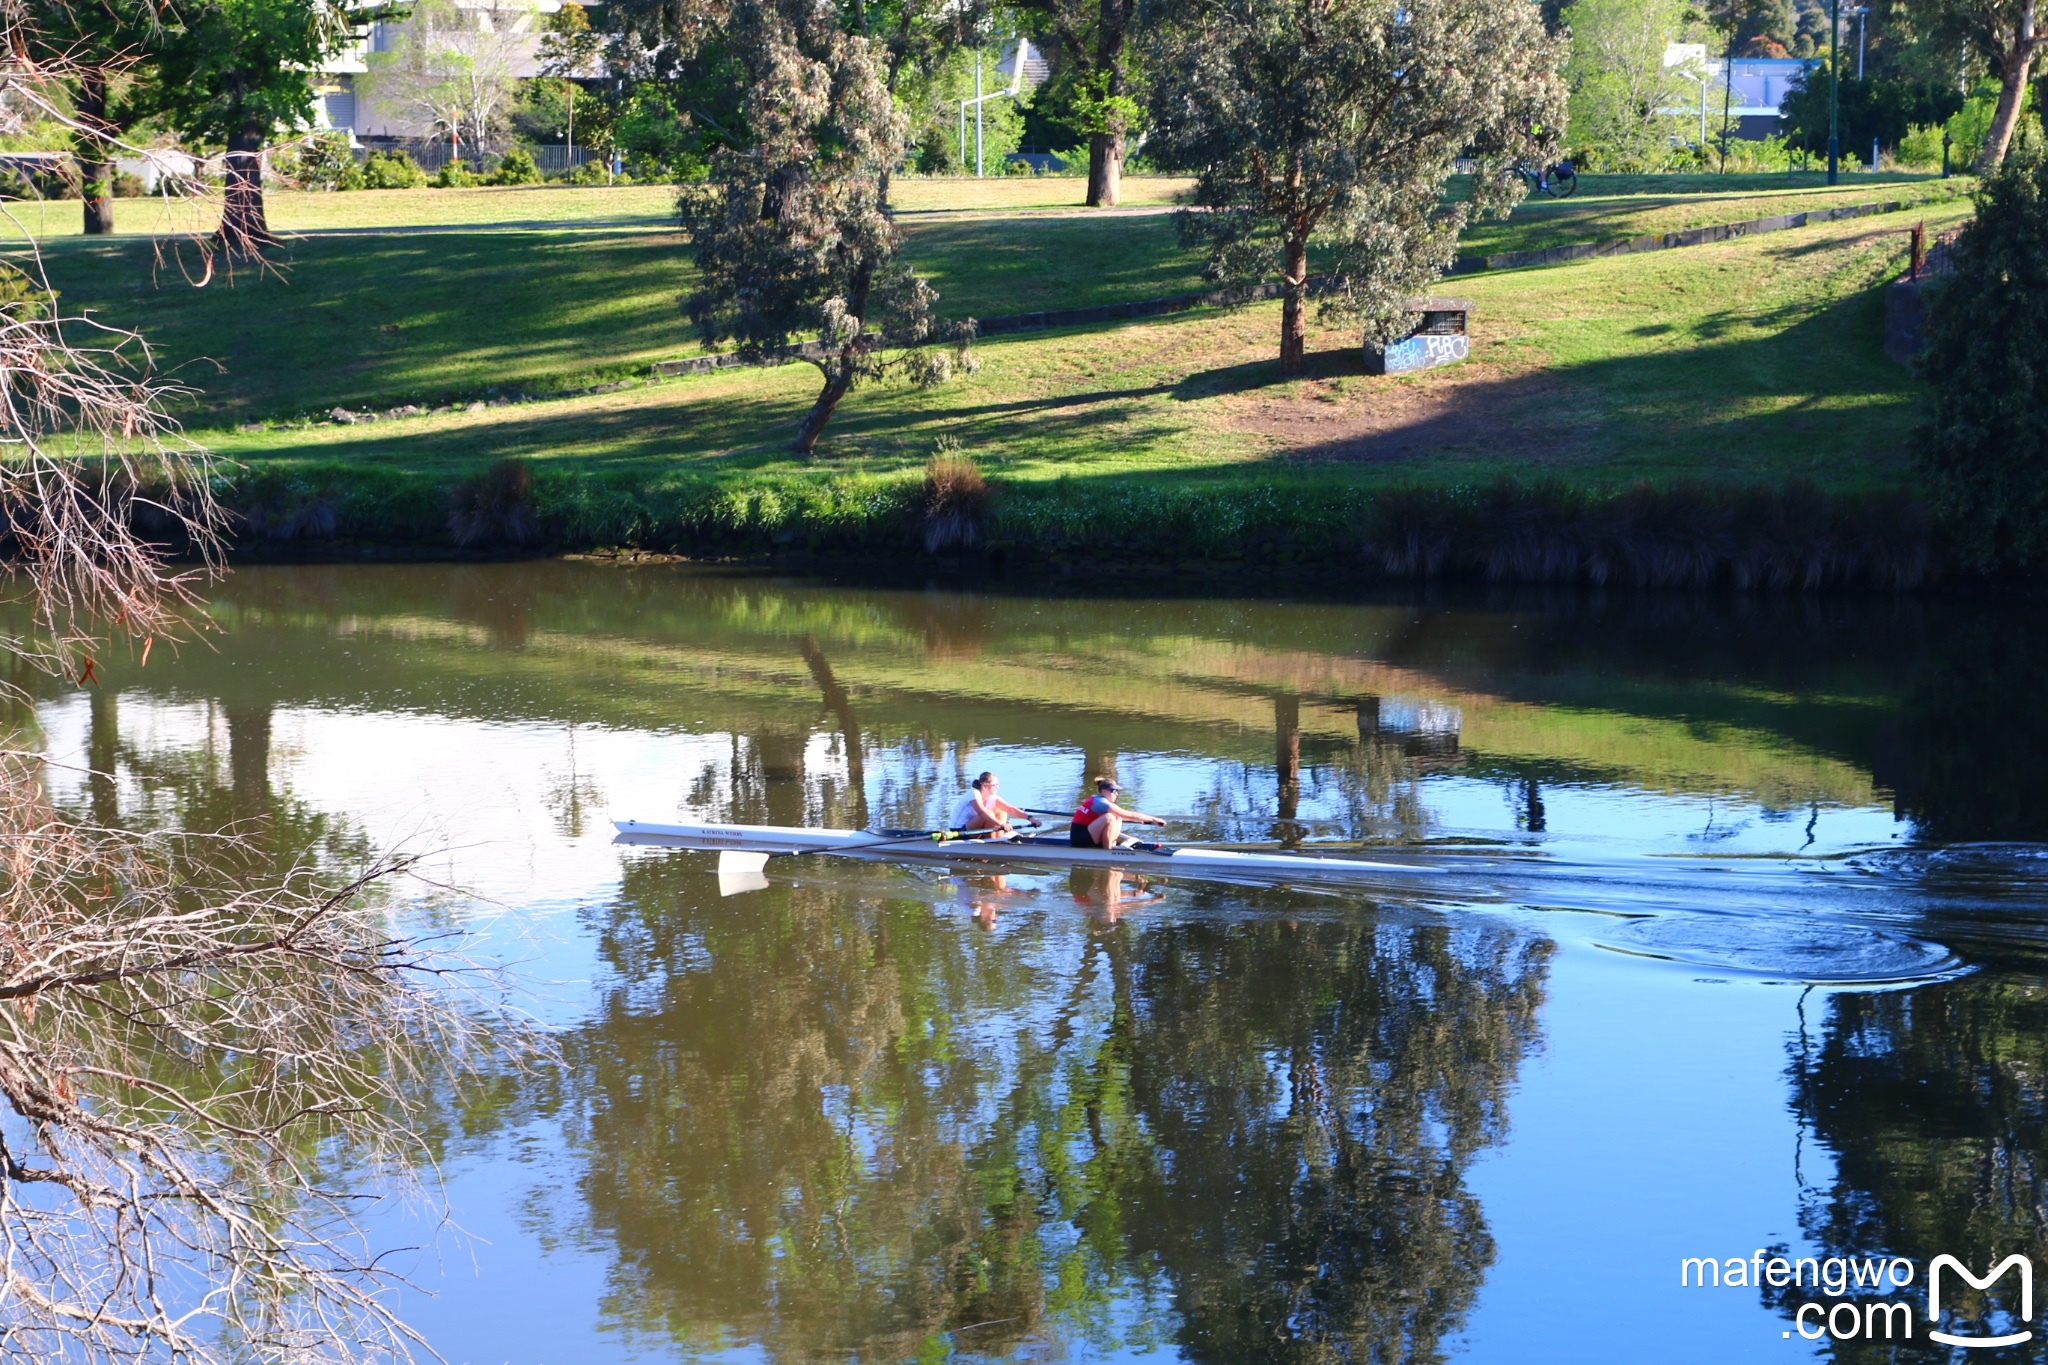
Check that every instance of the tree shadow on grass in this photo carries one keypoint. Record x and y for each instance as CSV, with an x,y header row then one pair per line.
x,y
1816,398
1265,373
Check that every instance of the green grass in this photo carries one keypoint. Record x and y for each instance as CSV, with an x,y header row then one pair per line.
x,y
564,205
1611,208
374,321
1747,361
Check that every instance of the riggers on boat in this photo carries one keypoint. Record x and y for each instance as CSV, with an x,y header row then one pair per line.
x,y
744,850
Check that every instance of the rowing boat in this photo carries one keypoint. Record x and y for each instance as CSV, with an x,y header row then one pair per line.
x,y
743,850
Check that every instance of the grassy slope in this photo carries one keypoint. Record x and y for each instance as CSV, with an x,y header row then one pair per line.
x,y
374,321
1747,360
382,319
1610,208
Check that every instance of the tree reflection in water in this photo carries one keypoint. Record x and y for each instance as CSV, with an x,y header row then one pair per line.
x,y
1934,1104
838,1122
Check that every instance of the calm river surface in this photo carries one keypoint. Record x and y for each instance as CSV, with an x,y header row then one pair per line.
x,y
1738,947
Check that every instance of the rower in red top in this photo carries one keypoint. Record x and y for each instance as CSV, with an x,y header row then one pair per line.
x,y
1099,820
980,808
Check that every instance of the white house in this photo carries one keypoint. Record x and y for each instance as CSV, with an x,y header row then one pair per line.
x,y
342,105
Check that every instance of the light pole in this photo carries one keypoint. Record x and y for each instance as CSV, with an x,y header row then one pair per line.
x,y
1701,80
1862,11
1834,93
1023,51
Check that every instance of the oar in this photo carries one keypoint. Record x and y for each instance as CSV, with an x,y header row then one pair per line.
x,y
739,862
1056,814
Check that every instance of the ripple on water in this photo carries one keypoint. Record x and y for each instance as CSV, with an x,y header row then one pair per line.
x,y
1834,953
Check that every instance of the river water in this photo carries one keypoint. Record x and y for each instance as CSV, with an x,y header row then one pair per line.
x,y
1733,947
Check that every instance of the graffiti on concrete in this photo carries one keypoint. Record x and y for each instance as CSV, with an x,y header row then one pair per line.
x,y
1426,353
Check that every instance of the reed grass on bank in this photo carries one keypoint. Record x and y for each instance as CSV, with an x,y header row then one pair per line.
x,y
1684,535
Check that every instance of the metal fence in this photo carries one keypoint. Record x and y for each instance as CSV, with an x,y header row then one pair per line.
x,y
432,155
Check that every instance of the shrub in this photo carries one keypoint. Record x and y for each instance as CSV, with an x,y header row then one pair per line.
x,y
955,499
453,175
516,168
1984,449
321,162
589,173
1920,148
392,171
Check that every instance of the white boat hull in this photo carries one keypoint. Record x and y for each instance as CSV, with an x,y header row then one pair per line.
x,y
745,849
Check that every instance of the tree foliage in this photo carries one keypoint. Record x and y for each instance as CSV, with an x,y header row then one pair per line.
x,y
791,234
102,45
1885,110
1338,122
1619,83
1984,450
1095,41
2003,35
233,72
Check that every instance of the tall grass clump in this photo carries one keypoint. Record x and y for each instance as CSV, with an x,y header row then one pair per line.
x,y
955,501
495,509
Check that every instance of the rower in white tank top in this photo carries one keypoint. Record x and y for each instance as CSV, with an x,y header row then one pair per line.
x,y
981,808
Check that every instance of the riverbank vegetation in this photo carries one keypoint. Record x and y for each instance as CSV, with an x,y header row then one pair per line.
x,y
1712,375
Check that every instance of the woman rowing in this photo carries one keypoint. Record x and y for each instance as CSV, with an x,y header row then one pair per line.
x,y
982,809
1099,821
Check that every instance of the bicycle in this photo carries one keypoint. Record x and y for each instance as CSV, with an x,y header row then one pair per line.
x,y
1557,182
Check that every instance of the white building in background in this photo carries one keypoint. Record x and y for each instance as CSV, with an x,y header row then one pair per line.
x,y
341,105
1753,92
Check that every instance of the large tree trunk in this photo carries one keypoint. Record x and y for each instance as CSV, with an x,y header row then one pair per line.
x,y
1105,170
95,165
838,379
1294,309
1106,150
839,371
2012,89
244,229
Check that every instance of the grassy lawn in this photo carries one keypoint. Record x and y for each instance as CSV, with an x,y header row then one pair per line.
x,y
565,205
1612,207
380,320
1747,360
377,320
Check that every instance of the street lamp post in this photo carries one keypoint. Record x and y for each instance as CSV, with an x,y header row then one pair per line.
x,y
1862,12
1834,93
1701,80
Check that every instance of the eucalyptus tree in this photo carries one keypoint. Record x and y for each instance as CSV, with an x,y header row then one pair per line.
x,y
791,233
1338,123
1981,453
2006,35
